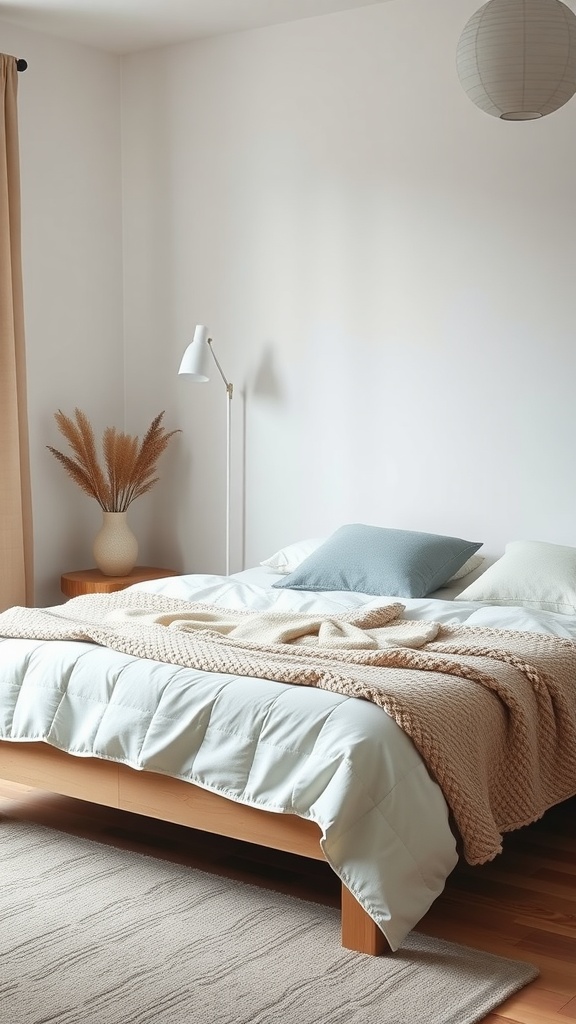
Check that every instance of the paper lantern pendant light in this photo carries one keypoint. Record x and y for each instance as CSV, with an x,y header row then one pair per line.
x,y
516,59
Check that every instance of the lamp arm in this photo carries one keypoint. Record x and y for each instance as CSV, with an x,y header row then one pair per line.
x,y
229,386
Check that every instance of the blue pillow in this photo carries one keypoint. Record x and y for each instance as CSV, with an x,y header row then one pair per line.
x,y
378,561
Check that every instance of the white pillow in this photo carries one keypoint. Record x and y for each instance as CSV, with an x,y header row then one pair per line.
x,y
288,559
530,574
472,563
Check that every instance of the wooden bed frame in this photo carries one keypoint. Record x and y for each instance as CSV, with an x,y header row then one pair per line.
x,y
159,796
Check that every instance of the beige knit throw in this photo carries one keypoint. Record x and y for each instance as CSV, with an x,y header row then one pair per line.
x,y
492,712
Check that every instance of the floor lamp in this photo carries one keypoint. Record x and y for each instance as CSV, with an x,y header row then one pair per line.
x,y
197,363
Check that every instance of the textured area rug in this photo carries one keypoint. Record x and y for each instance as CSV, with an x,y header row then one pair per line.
x,y
91,934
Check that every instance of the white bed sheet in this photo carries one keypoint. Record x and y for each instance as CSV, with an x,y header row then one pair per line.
x,y
252,589
338,761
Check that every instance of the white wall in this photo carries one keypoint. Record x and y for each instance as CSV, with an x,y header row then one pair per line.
x,y
388,274
69,126
386,270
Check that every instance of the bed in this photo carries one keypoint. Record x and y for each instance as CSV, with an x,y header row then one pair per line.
x,y
310,769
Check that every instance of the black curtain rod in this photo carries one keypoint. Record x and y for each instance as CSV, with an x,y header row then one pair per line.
x,y
21,64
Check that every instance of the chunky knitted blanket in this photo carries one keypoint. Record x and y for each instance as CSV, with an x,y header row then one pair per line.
x,y
492,712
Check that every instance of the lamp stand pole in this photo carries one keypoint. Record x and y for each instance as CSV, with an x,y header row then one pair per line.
x,y
229,393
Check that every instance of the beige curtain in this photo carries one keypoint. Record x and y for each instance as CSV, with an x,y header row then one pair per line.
x,y
15,503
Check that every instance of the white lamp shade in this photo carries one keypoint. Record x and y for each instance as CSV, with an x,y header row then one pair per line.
x,y
516,59
197,359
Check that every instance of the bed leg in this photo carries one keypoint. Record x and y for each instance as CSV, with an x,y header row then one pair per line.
x,y
359,931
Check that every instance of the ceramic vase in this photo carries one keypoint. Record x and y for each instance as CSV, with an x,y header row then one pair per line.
x,y
115,547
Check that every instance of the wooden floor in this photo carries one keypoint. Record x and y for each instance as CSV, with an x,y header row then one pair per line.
x,y
521,905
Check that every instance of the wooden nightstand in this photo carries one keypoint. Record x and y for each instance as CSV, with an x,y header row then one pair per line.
x,y
92,581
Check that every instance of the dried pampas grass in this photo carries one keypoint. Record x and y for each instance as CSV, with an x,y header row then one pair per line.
x,y
129,465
